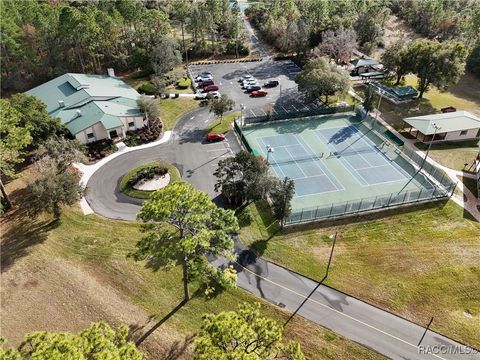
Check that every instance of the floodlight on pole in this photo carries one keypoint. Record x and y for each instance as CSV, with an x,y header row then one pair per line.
x,y
242,107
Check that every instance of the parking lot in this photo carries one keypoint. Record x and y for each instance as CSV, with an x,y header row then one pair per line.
x,y
283,98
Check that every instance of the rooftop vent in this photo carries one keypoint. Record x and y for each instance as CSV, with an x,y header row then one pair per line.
x,y
78,113
61,103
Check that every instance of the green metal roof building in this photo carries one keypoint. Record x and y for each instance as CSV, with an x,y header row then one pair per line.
x,y
458,125
92,107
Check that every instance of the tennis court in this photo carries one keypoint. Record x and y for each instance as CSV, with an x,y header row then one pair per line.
x,y
337,160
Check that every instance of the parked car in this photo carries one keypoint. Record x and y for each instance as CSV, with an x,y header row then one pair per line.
x,y
206,83
253,88
213,95
250,82
205,73
245,77
271,83
202,78
200,95
215,137
210,88
258,93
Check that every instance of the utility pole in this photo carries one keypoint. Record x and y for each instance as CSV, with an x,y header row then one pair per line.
x,y
334,237
435,128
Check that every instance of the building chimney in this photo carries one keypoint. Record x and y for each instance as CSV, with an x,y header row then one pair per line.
x,y
111,72
61,103
79,113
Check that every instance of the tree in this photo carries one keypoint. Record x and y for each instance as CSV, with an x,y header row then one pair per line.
x,y
99,341
243,334
438,64
396,58
13,139
221,105
160,85
51,191
339,44
58,153
165,56
243,177
321,78
200,229
182,12
473,60
368,102
149,107
281,196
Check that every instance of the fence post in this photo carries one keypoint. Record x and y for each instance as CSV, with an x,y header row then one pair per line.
x,y
443,176
406,193
373,206
301,215
331,209
360,205
390,199
420,193
316,212
434,191
346,205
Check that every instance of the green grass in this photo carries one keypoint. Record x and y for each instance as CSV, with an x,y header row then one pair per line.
x,y
171,110
102,246
223,126
417,264
453,154
139,194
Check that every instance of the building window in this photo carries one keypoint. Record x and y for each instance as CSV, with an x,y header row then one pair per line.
x,y
90,136
131,124
463,132
113,134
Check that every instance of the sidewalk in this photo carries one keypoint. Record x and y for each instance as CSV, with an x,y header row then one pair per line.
x,y
468,201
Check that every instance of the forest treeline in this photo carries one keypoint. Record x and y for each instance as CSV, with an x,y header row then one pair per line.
x,y
43,39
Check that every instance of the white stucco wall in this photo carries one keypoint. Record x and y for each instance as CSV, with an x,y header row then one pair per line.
x,y
455,135
138,120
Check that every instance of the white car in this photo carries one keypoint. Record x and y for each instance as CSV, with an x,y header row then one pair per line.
x,y
250,82
213,95
245,77
203,78
201,95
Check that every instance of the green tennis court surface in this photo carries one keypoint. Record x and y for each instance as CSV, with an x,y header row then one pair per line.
x,y
335,159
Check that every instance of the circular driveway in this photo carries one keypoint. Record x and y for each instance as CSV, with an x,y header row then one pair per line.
x,y
187,150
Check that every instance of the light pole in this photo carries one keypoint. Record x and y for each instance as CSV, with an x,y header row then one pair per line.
x,y
269,151
435,128
378,107
242,107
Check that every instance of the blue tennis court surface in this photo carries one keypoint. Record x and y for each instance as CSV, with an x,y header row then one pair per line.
x,y
337,164
293,158
361,156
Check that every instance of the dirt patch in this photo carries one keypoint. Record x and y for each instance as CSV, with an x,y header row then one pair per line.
x,y
68,297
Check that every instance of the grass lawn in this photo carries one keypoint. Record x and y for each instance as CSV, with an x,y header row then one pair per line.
x,y
453,154
223,126
463,96
172,110
100,247
417,264
139,194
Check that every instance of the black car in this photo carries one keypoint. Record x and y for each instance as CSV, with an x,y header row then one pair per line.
x,y
253,88
271,83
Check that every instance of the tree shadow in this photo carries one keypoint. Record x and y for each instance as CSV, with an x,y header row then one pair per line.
x,y
467,88
149,332
178,348
23,233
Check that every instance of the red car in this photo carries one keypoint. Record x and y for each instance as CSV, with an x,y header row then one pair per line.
x,y
259,93
215,137
210,88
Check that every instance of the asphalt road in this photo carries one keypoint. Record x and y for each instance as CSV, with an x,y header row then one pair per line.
x,y
356,320
195,158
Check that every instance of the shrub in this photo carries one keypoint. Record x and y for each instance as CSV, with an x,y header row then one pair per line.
x,y
101,148
144,135
147,173
147,88
473,60
184,83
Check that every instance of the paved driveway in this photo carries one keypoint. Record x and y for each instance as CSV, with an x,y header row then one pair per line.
x,y
187,150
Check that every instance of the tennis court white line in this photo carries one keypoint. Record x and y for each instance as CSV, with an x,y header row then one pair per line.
x,y
264,146
296,164
326,168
